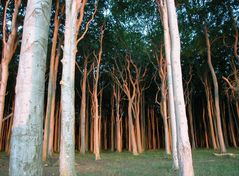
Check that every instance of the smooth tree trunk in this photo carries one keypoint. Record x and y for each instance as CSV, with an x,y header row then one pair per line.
x,y
83,110
163,103
26,142
209,112
95,103
49,109
132,137
183,144
164,17
67,149
112,121
216,94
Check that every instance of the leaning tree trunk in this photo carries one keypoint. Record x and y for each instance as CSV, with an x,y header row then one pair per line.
x,y
184,148
26,142
216,94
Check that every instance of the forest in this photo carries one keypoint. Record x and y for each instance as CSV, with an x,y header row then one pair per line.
x,y
82,78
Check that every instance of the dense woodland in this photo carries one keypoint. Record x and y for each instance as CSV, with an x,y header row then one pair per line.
x,y
102,78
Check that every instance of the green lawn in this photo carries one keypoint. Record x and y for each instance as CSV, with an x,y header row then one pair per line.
x,y
151,163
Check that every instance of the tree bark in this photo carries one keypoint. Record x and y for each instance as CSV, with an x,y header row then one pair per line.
x,y
9,48
50,88
28,119
67,149
164,18
184,148
83,110
216,94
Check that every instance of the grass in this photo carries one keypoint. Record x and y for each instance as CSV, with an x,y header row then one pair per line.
x,y
150,163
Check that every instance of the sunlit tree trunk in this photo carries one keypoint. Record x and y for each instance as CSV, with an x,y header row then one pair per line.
x,y
26,143
9,47
95,103
50,86
117,97
112,122
83,110
216,94
164,17
131,128
143,125
67,149
183,144
163,103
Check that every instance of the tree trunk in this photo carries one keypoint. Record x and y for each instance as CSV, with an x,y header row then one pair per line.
x,y
216,94
209,110
83,110
27,126
8,50
184,148
143,122
164,13
105,133
67,149
49,109
131,128
191,123
95,103
112,122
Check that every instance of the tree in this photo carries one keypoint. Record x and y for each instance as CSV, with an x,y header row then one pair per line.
x,y
50,109
183,144
83,109
162,4
9,47
67,149
27,126
216,93
95,103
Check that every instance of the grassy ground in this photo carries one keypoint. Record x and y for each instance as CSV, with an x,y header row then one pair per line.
x,y
151,163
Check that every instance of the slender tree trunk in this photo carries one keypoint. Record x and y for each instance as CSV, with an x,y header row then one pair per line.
x,y
191,123
53,105
143,122
153,129
184,148
157,132
149,130
83,110
112,122
118,119
209,110
216,94
95,100
131,128
87,124
27,126
9,47
164,13
67,149
105,133
138,131
50,87
56,129
205,129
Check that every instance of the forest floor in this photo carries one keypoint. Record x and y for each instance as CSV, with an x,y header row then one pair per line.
x,y
150,163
